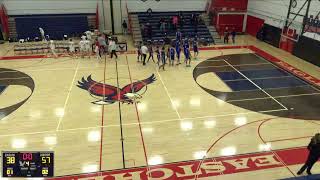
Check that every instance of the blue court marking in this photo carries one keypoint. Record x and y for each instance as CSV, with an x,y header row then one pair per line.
x,y
311,177
266,73
233,75
241,85
278,82
2,88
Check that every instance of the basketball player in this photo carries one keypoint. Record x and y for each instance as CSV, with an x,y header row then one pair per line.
x,y
186,52
195,48
71,48
97,49
158,55
87,46
150,49
171,55
82,47
178,35
53,49
178,51
139,51
163,58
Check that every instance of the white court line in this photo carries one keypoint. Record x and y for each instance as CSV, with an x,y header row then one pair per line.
x,y
257,78
166,89
55,69
296,95
142,123
256,85
234,65
68,95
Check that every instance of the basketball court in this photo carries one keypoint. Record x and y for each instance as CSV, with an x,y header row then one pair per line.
x,y
240,112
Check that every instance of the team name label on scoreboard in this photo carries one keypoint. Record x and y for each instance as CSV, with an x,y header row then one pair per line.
x,y
27,164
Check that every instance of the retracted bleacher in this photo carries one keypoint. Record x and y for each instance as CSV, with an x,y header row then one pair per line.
x,y
54,25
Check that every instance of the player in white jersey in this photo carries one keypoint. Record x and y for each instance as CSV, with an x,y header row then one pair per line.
x,y
89,35
82,47
72,49
88,47
53,49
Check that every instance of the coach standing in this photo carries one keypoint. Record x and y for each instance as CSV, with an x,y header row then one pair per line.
x,y
314,154
144,51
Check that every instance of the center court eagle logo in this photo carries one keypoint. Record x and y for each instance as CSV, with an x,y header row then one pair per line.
x,y
12,81
108,94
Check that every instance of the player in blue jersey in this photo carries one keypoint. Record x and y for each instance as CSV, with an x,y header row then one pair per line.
x,y
186,52
178,51
171,55
163,58
195,48
178,35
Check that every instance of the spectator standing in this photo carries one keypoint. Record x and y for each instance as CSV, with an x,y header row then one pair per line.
x,y
314,154
43,38
192,18
175,22
125,27
233,35
162,25
226,36
149,30
144,52
149,11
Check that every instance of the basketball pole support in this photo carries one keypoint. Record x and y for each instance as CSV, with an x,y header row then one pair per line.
x,y
305,16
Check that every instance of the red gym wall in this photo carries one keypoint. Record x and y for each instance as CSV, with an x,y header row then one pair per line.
x,y
231,21
229,13
238,5
254,24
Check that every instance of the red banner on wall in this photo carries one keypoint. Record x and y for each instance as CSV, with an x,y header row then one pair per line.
x,y
4,21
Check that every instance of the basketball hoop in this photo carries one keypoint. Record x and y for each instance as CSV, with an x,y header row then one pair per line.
x,y
291,29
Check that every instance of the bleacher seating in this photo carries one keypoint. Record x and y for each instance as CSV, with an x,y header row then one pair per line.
x,y
54,26
187,30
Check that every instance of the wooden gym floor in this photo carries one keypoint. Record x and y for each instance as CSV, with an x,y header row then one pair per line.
x,y
240,112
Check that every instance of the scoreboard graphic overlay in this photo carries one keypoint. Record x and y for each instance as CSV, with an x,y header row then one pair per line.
x,y
27,164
